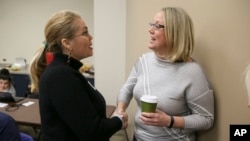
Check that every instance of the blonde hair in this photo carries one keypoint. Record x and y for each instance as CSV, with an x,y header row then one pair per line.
x,y
179,34
36,70
247,83
59,26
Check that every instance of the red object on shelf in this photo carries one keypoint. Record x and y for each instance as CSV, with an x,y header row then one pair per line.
x,y
49,57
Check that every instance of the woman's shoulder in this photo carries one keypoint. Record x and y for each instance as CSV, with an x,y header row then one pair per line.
x,y
194,65
194,69
58,72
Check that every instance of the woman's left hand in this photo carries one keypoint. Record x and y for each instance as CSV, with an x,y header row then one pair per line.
x,y
158,118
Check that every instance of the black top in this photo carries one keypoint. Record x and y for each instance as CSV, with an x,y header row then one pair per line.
x,y
71,109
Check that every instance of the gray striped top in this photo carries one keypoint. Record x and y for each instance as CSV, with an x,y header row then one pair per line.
x,y
182,89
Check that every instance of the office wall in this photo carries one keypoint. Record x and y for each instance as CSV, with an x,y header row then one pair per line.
x,y
222,34
22,24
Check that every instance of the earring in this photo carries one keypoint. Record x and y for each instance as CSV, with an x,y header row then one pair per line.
x,y
68,61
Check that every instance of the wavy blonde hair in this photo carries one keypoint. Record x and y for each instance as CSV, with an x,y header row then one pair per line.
x,y
59,26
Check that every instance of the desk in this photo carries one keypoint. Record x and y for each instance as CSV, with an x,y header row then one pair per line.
x,y
26,115
30,115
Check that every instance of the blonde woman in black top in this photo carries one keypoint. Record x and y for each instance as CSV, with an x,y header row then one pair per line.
x,y
71,108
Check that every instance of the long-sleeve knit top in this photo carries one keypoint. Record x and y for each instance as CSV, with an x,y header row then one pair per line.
x,y
182,90
71,109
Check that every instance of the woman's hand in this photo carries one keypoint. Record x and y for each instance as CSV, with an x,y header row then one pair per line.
x,y
123,116
121,107
158,118
125,120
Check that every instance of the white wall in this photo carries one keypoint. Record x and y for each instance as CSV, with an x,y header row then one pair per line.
x,y
110,47
22,24
222,34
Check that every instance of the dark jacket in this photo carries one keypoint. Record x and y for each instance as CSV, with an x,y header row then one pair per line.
x,y
8,128
71,109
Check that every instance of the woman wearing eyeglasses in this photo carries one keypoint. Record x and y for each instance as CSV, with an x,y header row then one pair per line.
x,y
71,108
185,99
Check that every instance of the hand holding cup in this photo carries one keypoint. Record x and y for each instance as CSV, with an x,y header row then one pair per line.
x,y
148,103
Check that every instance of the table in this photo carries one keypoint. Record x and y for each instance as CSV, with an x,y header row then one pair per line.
x,y
26,115
30,116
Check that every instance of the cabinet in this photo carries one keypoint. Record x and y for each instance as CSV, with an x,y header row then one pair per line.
x,y
20,82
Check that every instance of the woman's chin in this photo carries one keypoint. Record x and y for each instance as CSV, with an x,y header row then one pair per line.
x,y
91,54
151,47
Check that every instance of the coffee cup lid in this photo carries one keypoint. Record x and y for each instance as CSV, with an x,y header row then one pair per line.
x,y
149,98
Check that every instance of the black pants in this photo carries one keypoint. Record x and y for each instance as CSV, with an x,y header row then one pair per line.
x,y
134,139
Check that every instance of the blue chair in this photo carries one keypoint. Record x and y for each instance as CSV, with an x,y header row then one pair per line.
x,y
25,137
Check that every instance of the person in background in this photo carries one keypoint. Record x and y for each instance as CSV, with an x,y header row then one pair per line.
x,y
247,83
185,98
6,82
71,108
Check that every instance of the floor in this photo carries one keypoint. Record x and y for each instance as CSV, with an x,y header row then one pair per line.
x,y
30,131
119,136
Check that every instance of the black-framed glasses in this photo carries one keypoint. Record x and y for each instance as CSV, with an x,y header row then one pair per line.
x,y
156,26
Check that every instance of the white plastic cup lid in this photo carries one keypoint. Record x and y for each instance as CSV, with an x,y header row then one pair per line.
x,y
149,98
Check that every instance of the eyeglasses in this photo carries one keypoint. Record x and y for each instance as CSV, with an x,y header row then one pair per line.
x,y
85,33
156,26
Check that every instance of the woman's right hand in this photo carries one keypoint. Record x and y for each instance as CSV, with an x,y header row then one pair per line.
x,y
120,109
125,120
124,117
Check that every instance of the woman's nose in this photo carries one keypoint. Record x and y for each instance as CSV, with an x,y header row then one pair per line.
x,y
150,30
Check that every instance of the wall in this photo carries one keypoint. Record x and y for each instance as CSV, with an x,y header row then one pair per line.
x,y
109,46
22,24
222,34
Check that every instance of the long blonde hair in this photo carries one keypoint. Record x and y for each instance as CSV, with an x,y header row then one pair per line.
x,y
60,25
179,34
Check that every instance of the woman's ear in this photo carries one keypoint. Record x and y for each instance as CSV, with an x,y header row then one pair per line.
x,y
66,44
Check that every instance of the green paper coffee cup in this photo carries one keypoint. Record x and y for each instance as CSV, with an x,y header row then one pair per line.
x,y
148,103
